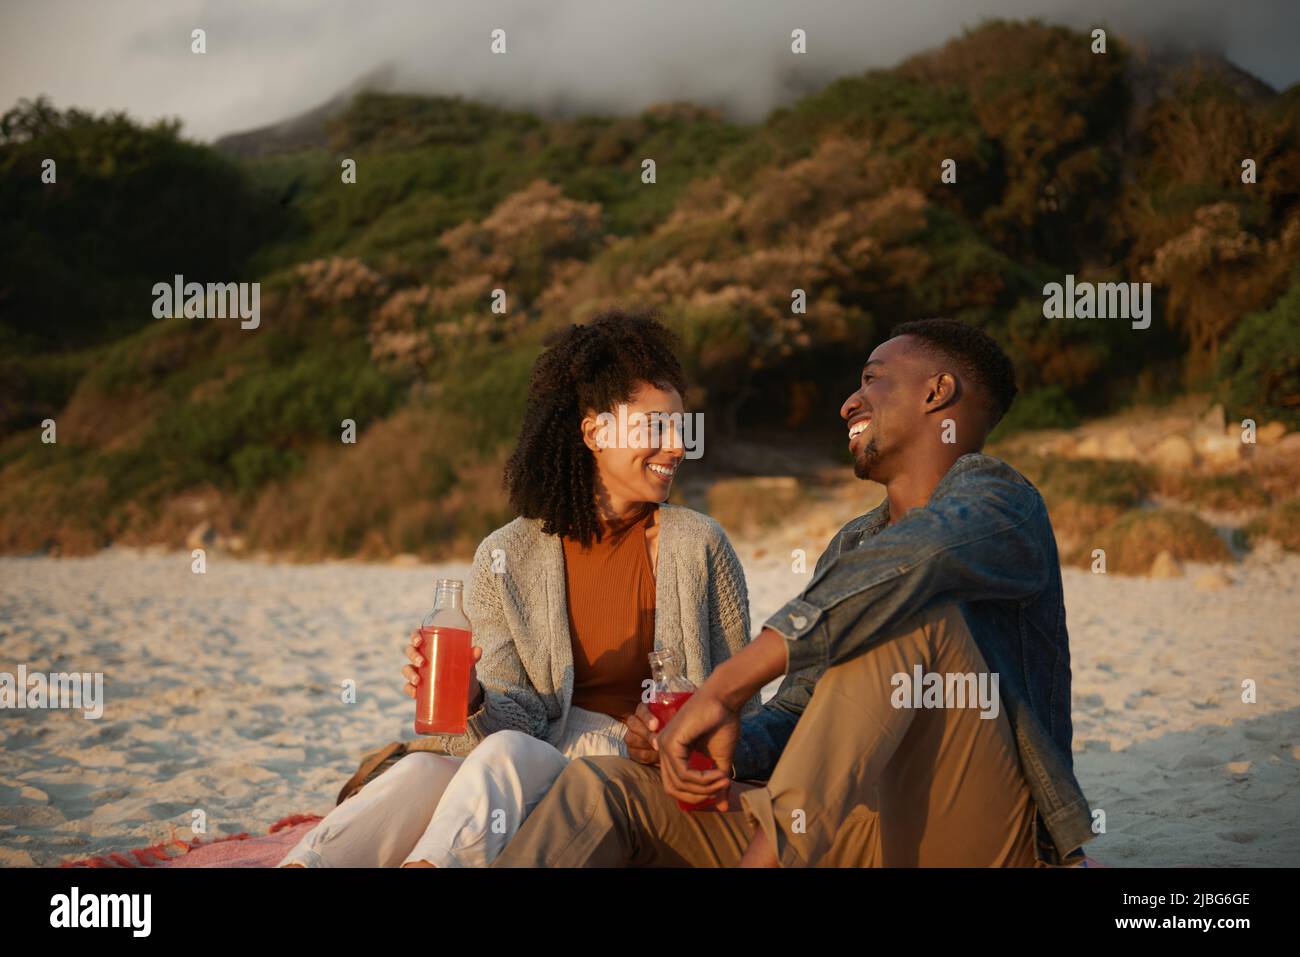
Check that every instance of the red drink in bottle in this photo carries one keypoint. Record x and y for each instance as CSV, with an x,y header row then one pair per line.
x,y
667,704
446,642
671,689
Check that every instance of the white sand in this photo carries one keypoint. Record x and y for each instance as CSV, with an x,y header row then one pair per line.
x,y
223,694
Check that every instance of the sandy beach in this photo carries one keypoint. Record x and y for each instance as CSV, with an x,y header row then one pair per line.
x,y
224,694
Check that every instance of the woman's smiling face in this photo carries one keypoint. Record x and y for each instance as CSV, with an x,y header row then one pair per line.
x,y
638,466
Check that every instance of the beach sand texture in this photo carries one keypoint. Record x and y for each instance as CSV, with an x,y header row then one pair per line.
x,y
224,695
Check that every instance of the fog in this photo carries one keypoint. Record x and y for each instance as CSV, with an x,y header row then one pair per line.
x,y
266,61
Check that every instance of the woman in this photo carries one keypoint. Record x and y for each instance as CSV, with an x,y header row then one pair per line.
x,y
566,602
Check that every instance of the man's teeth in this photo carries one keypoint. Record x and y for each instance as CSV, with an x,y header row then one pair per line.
x,y
663,470
857,428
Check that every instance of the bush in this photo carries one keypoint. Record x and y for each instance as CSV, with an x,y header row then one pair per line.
x,y
1137,537
133,205
1281,523
1260,363
1046,408
1219,492
748,504
1091,481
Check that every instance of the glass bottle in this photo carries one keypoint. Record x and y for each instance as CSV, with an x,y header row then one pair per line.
x,y
442,695
669,690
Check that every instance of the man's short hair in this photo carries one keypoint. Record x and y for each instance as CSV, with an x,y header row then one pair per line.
x,y
977,357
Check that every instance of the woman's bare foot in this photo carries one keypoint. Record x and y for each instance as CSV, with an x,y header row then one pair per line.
x,y
295,865
419,864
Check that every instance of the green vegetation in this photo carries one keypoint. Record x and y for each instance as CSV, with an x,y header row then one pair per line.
x,y
375,295
1281,523
1090,481
1260,363
1134,541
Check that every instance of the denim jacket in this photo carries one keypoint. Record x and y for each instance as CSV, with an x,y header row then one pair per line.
x,y
985,543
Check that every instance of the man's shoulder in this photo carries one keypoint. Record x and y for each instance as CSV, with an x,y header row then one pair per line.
x,y
987,475
856,529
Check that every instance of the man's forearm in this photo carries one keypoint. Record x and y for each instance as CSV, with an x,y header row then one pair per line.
x,y
744,674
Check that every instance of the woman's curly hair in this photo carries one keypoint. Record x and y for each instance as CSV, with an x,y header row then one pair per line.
x,y
551,473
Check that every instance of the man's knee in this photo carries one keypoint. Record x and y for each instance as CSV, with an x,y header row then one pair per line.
x,y
615,779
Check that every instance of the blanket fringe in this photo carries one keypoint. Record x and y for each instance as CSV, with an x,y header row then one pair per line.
x,y
154,853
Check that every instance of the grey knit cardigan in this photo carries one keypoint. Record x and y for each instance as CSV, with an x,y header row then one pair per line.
x,y
518,610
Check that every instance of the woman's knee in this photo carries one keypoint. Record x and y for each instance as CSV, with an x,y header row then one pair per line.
x,y
517,753
508,742
420,768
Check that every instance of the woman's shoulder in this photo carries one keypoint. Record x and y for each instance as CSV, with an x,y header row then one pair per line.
x,y
521,532
685,526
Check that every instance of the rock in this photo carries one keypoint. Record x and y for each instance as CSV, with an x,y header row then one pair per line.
x,y
1173,453
1219,449
1213,580
1089,448
1118,446
1271,433
405,560
1213,420
201,535
231,543
1063,445
1165,566
1290,444
1264,552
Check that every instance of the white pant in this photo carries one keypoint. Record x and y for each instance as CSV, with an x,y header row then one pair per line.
x,y
453,812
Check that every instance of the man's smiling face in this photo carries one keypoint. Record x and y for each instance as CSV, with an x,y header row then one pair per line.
x,y
887,412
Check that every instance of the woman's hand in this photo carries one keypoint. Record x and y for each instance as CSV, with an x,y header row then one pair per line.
x,y
641,729
411,672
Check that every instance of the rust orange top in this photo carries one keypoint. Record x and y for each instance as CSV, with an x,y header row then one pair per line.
x,y
611,598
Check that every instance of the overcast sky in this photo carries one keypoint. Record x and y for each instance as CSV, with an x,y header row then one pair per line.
x,y
270,59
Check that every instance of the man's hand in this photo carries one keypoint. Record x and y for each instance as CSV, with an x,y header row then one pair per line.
x,y
714,728
641,729
710,720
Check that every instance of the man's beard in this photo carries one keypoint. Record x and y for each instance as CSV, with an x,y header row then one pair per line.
x,y
864,464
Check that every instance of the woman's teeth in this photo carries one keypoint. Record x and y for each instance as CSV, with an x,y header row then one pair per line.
x,y
661,470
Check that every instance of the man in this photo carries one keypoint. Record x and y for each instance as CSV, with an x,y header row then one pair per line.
x,y
952,582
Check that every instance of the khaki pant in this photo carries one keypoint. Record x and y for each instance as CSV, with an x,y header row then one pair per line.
x,y
860,783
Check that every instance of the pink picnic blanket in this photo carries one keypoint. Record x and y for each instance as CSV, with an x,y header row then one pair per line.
x,y
238,850
265,851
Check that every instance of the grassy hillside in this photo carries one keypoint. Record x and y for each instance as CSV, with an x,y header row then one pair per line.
x,y
376,295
